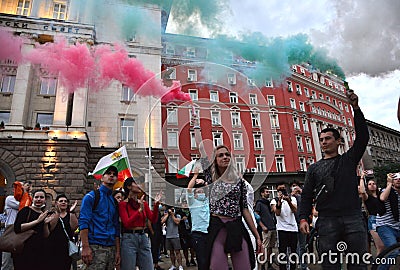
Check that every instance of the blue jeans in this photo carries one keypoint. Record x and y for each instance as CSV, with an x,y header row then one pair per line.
x,y
200,246
348,229
389,237
135,250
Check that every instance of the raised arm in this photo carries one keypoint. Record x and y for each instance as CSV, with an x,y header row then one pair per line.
x,y
389,182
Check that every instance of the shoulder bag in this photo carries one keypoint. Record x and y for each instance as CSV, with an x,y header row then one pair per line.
x,y
14,242
73,249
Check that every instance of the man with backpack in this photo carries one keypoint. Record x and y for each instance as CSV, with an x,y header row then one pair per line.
x,y
99,225
267,223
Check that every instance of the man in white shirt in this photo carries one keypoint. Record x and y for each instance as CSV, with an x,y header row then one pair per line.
x,y
11,207
285,207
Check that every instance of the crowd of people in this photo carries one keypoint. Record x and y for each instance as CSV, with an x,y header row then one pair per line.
x,y
218,217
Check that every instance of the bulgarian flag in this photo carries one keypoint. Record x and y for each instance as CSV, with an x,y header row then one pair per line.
x,y
119,159
185,171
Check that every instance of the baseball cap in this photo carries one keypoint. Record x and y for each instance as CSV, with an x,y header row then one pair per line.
x,y
111,169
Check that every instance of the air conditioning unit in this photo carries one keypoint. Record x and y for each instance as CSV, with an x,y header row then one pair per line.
x,y
253,169
189,79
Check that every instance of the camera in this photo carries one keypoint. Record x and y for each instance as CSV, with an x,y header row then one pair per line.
x,y
397,175
369,172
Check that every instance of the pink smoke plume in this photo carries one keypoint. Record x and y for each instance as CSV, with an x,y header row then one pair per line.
x,y
78,66
74,65
10,46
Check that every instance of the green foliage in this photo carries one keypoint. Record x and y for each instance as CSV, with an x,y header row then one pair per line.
x,y
380,172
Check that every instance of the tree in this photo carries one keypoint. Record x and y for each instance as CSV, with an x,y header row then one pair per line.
x,y
380,172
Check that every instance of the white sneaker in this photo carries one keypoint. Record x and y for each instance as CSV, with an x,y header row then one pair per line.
x,y
172,267
180,267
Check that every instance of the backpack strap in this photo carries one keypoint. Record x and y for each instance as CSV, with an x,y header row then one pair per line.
x,y
96,199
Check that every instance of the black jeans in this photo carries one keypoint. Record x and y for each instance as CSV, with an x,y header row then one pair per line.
x,y
346,234
200,246
287,240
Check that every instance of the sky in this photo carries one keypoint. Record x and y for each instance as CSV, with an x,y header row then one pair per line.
x,y
362,35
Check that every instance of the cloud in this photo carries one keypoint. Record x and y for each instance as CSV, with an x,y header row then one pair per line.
x,y
378,96
364,36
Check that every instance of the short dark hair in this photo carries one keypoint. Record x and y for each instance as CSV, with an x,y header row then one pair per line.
x,y
115,192
111,169
262,189
62,196
334,131
280,183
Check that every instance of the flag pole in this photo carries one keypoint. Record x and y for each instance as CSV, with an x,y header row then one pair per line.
x,y
150,177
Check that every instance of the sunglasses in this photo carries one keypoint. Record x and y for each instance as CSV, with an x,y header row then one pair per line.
x,y
227,154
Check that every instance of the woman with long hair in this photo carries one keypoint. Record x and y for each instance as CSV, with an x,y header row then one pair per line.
x,y
374,206
34,254
64,223
228,204
134,211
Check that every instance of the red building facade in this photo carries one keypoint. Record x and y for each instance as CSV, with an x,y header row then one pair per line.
x,y
271,127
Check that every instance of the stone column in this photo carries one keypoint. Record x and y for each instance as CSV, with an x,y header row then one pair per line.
x,y
22,94
79,108
315,138
60,108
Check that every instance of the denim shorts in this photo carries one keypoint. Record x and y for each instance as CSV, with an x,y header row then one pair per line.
x,y
372,223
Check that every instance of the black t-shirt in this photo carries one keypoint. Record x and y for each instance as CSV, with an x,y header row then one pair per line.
x,y
374,206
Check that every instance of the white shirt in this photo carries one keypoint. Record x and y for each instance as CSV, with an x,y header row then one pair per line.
x,y
286,221
11,207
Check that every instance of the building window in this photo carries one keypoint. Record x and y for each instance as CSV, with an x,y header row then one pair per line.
x,y
127,94
260,164
193,144
193,94
321,96
233,97
334,102
8,84
192,75
271,100
346,107
235,117
305,125
240,164
251,82
172,116
4,117
255,119
268,83
298,89
172,139
59,11
238,141
197,112
308,145
340,105
301,106
289,85
170,73
127,130
48,86
217,139
214,96
306,92
280,164
253,99
44,119
344,119
296,122
349,122
328,98
303,166
258,143
231,78
172,165
24,7
170,49
313,94
299,142
277,141
292,103
191,52
215,118
274,120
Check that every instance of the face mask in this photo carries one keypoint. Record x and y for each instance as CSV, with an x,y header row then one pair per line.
x,y
201,196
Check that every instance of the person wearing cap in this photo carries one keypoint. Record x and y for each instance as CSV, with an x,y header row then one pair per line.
x,y
134,212
99,226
